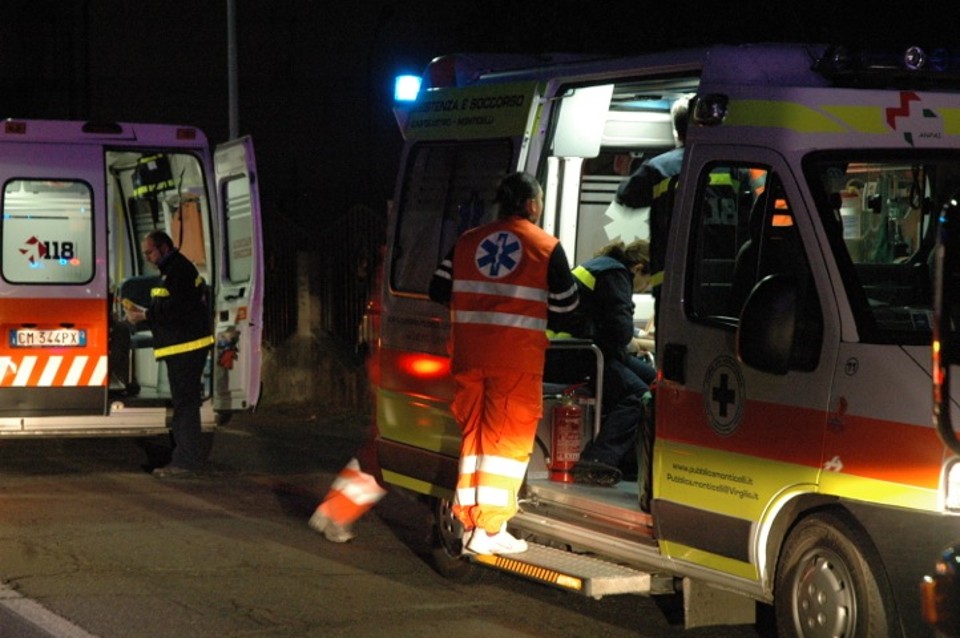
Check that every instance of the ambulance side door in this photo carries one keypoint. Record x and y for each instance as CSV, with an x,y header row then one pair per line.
x,y
734,441
239,290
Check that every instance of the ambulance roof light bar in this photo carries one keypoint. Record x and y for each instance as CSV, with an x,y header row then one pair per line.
x,y
939,67
465,69
445,71
441,72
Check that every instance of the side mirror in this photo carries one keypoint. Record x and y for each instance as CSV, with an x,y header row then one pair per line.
x,y
768,325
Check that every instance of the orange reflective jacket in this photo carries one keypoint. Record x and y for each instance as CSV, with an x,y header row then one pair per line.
x,y
500,296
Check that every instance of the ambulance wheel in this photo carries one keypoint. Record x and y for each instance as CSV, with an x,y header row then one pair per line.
x,y
826,584
447,544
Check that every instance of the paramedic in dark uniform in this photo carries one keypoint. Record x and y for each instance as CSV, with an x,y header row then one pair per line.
x,y
654,185
606,301
506,282
180,320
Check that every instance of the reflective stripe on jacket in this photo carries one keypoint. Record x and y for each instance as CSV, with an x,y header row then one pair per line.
x,y
500,296
178,313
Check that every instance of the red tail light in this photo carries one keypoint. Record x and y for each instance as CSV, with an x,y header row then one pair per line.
x,y
424,366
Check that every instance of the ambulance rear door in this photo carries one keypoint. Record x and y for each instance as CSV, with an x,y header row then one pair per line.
x,y
239,289
53,286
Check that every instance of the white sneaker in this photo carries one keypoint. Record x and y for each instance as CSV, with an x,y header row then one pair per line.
x,y
503,542
333,532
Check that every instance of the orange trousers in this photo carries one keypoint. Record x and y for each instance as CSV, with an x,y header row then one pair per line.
x,y
498,411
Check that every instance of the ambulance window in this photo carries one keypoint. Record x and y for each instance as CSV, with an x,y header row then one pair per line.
x,y
47,232
166,191
239,240
722,230
880,214
448,188
746,231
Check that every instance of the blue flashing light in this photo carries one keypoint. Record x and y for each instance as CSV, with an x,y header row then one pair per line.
x,y
406,88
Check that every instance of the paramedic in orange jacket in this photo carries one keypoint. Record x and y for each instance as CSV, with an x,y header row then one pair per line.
x,y
506,282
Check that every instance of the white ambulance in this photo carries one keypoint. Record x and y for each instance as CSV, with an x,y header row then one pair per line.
x,y
77,199
794,462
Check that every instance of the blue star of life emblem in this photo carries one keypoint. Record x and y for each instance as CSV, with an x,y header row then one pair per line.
x,y
498,254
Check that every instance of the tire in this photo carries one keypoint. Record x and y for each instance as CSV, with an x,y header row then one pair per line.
x,y
829,583
447,544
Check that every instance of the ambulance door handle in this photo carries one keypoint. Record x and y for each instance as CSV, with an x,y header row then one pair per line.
x,y
674,362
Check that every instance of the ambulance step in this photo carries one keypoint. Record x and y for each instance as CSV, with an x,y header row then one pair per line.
x,y
577,572
623,541
617,506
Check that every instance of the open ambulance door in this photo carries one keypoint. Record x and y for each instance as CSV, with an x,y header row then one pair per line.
x,y
239,289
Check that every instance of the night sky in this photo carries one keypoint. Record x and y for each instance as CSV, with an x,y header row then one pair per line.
x,y
315,75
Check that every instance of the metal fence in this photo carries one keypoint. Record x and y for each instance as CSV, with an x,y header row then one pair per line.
x,y
349,256
280,278
346,253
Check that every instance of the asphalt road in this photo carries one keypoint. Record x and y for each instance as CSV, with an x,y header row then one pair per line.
x,y
91,545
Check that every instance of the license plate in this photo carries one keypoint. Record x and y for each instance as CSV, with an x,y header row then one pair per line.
x,y
58,338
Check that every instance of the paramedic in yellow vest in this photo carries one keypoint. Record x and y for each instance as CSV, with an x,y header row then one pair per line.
x,y
506,282
180,320
607,283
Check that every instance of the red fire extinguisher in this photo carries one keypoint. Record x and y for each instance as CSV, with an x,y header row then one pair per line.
x,y
565,439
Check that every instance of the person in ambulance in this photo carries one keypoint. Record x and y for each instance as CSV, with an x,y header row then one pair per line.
x,y
506,283
606,299
182,337
653,185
